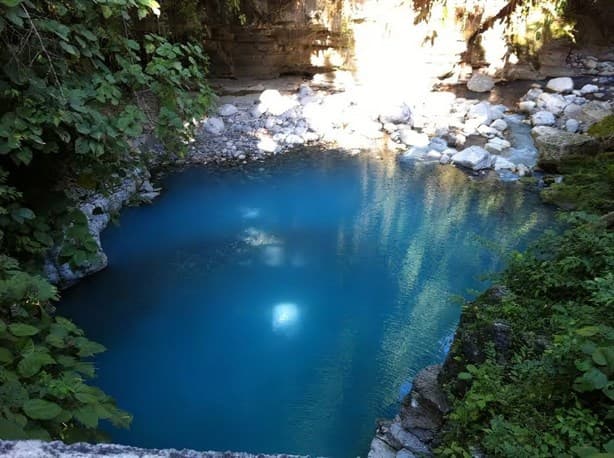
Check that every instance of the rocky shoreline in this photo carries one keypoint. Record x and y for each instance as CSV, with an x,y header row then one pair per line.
x,y
57,449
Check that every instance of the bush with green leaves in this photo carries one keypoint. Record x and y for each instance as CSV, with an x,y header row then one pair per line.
x,y
554,394
43,394
79,81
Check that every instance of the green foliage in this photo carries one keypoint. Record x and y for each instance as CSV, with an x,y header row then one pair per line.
x,y
555,392
79,80
588,184
43,394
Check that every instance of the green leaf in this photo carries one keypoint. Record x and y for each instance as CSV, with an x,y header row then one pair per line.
x,y
5,355
87,347
10,430
31,364
465,376
23,330
88,416
591,380
588,331
11,3
599,357
70,49
106,11
40,409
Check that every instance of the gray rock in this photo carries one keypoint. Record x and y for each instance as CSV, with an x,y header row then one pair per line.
x,y
395,113
543,118
527,106
214,126
481,113
555,145
503,164
497,145
533,94
572,125
405,439
499,124
56,449
593,112
563,84
405,454
380,449
474,157
554,103
480,82
227,110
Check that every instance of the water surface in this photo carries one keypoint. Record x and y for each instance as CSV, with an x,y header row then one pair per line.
x,y
284,307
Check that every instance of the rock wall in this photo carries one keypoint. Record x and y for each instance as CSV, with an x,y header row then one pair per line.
x,y
383,39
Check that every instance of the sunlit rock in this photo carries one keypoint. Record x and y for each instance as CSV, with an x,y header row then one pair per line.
x,y
543,118
563,84
474,157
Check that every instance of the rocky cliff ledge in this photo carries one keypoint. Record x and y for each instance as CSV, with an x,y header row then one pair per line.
x,y
39,449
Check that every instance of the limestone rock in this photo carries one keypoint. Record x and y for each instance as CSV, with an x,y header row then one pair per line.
x,y
227,109
555,145
503,164
497,145
499,124
380,449
563,84
543,118
474,157
527,106
57,449
589,89
395,113
572,125
215,126
411,137
480,82
554,103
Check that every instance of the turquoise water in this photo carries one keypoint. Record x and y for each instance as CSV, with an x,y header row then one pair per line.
x,y
284,307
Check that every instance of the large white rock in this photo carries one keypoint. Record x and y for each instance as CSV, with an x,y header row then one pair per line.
x,y
543,118
554,103
412,138
589,89
497,145
563,84
474,157
481,113
267,145
294,139
273,102
572,125
227,109
527,106
215,126
499,124
480,82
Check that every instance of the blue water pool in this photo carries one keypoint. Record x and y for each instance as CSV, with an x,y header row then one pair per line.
x,y
285,306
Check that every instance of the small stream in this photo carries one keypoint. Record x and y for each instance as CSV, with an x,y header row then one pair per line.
x,y
285,306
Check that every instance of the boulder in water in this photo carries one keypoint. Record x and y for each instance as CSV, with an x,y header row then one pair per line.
x,y
474,157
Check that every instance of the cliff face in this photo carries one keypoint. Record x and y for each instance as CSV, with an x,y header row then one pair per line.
x,y
384,39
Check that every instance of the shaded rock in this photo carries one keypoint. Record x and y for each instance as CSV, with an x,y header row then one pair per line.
x,y
380,449
474,157
214,126
227,110
405,454
403,439
427,386
593,112
480,82
563,84
555,145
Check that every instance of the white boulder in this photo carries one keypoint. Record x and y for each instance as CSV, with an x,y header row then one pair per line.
x,y
411,137
563,84
227,109
589,89
543,118
474,157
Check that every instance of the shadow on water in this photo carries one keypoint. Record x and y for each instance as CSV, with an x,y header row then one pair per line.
x,y
285,307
